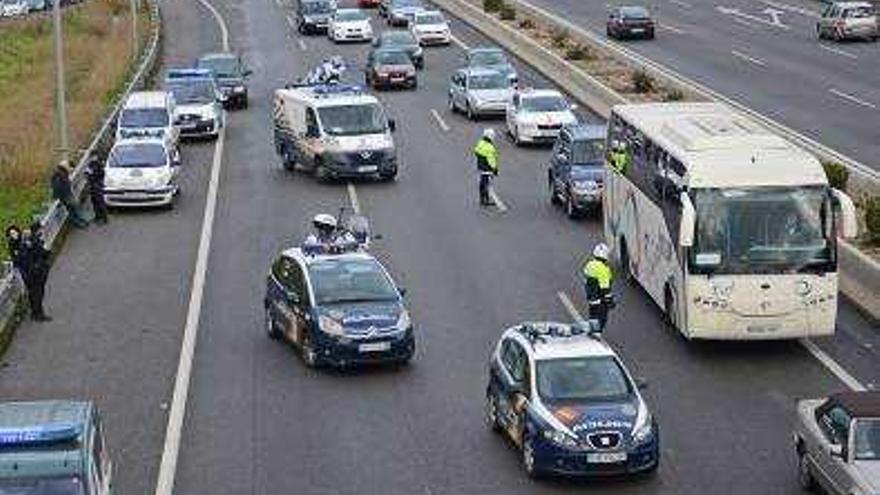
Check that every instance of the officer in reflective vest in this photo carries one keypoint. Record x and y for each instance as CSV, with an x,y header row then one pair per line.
x,y
597,283
619,157
487,164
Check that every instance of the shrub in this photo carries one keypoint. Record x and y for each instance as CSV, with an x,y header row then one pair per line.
x,y
837,174
492,5
642,82
871,206
578,52
560,38
527,24
508,13
673,95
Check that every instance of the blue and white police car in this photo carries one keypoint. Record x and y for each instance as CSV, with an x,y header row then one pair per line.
x,y
338,309
567,401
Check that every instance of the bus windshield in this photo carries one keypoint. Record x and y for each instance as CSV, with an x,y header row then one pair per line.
x,y
762,230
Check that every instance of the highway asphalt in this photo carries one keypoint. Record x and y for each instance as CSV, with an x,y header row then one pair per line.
x,y
769,60
259,422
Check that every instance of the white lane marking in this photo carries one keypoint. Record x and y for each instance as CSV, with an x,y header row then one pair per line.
x,y
571,308
171,449
792,8
459,42
838,51
832,366
353,198
774,15
302,45
743,22
681,4
439,120
224,31
673,29
852,98
290,22
736,12
747,58
497,199
278,3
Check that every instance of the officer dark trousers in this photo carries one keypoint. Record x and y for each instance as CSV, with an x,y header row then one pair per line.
x,y
485,184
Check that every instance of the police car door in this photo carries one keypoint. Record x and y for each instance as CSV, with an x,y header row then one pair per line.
x,y
514,389
283,298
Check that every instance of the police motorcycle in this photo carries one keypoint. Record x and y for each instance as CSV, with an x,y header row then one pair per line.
x,y
341,234
330,71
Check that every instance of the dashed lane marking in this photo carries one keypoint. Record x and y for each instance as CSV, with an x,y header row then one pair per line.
x,y
439,120
838,51
681,4
353,198
571,308
667,27
832,366
458,42
302,45
748,58
853,99
497,199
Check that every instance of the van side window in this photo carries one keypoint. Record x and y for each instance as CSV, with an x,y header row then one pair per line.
x,y
311,122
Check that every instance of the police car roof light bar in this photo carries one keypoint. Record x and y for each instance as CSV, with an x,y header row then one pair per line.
x,y
36,435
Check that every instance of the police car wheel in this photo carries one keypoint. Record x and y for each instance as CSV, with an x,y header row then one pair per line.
x,y
570,210
470,113
271,328
451,104
492,413
805,475
309,356
528,458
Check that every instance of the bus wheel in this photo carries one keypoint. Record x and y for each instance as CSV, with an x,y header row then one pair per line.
x,y
669,307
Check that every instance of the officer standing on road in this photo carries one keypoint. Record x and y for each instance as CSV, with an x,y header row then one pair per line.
x,y
487,164
619,157
95,175
13,245
35,270
597,284
62,191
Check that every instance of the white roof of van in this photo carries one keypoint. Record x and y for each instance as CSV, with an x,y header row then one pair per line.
x,y
723,148
146,99
319,100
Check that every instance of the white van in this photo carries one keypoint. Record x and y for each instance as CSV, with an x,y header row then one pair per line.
x,y
334,131
149,114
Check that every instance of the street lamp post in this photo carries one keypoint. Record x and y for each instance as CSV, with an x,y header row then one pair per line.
x,y
134,30
63,146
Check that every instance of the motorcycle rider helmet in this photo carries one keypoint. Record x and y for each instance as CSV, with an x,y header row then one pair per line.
x,y
324,223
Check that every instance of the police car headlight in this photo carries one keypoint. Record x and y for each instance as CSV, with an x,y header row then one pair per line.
x,y
331,326
403,321
238,89
561,439
643,433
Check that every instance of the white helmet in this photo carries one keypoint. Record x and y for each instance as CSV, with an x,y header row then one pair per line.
x,y
324,221
601,251
489,134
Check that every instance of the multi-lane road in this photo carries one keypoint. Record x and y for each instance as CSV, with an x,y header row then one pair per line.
x,y
257,421
765,55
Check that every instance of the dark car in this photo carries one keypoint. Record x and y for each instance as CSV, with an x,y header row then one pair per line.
x,y
630,22
576,174
313,16
402,40
388,68
231,75
337,309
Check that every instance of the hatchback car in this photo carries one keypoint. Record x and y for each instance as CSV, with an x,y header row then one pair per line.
x,y
491,58
313,16
479,92
402,40
401,12
231,74
837,440
537,115
630,22
350,25
140,173
341,309
849,20
390,68
565,399
199,102
430,28
576,174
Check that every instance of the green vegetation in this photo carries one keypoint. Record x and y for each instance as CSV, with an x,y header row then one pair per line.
x,y
493,5
560,38
871,208
508,13
673,95
837,173
578,52
526,24
642,82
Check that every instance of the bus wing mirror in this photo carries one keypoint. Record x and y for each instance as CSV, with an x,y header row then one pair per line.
x,y
688,221
848,219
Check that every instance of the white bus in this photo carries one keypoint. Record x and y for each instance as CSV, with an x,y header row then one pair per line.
x,y
730,229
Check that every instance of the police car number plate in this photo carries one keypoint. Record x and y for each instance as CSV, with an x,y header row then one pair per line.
x,y
638,30
606,457
374,347
368,168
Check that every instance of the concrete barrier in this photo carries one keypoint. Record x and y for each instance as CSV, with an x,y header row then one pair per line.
x,y
859,274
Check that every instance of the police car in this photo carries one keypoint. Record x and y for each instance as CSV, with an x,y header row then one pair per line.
x,y
53,447
568,403
199,102
337,309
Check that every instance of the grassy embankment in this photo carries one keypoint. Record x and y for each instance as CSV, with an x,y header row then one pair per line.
x,y
97,45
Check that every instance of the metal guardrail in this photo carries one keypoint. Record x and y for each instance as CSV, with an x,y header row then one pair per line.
x,y
53,221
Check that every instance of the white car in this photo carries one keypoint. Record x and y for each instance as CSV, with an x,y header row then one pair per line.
x,y
13,8
140,172
350,25
537,115
429,27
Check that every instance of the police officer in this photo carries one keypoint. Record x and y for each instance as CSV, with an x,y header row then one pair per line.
x,y
597,283
63,192
487,164
13,246
95,177
619,157
35,273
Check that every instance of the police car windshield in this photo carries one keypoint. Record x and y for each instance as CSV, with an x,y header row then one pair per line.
x,y
544,104
143,117
353,120
58,485
192,91
581,378
346,281
137,156
222,66
489,81
867,440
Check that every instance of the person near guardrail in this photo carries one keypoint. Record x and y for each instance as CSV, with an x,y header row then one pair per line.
x,y
13,246
63,192
35,270
95,179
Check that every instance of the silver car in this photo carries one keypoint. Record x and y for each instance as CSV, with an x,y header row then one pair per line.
x,y
479,92
848,20
838,443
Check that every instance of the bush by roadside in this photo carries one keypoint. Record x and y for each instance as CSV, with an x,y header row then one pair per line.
x,y
98,55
